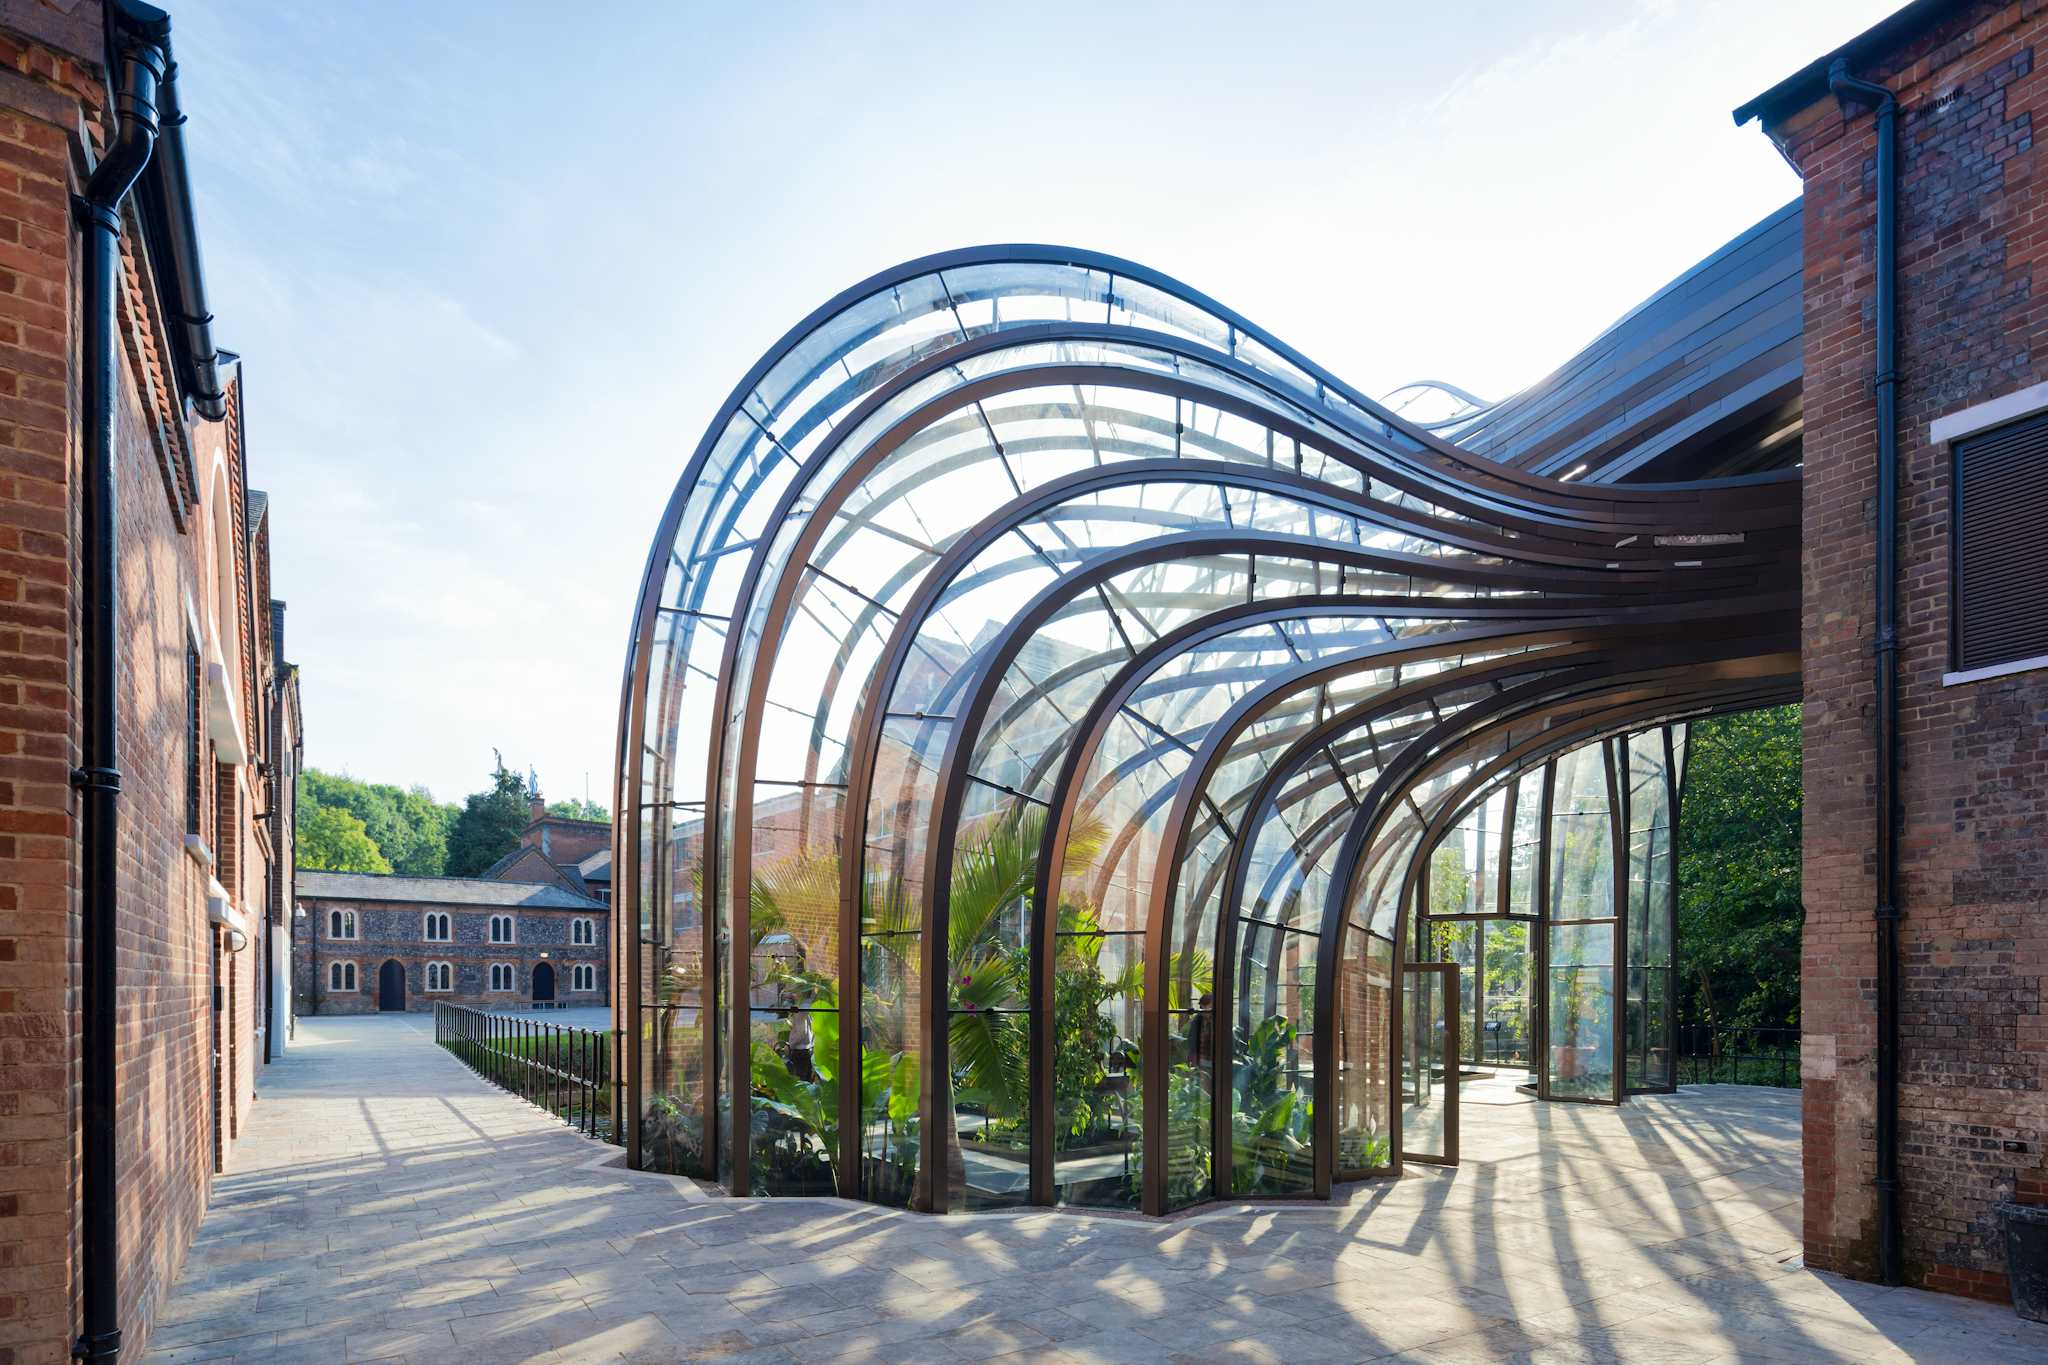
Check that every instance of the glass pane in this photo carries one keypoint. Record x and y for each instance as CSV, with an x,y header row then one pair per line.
x,y
1190,1080
1506,1004
1364,1018
1428,1073
793,1124
1096,1073
1581,1004
1581,838
891,1082
1525,844
1272,1090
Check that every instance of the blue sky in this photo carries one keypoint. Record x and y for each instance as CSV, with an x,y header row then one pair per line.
x,y
493,267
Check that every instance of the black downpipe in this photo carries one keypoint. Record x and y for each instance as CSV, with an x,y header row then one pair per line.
x,y
1890,1259
139,60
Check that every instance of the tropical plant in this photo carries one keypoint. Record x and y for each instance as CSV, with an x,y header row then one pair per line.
x,y
1189,1162
794,1126
1270,1148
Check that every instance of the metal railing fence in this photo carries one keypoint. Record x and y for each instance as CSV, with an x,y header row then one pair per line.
x,y
558,1067
1738,1056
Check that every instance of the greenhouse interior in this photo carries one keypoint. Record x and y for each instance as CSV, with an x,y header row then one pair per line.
x,y
1074,750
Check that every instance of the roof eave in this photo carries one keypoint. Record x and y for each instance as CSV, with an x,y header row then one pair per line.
x,y
1810,82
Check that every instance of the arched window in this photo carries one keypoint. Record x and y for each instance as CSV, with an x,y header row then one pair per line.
x,y
341,976
582,932
583,977
501,976
341,924
437,927
440,975
501,929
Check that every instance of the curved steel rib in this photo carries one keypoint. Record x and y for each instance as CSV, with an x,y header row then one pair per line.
x,y
1026,543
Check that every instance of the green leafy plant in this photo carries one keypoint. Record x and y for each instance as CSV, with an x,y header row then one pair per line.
x,y
1269,1119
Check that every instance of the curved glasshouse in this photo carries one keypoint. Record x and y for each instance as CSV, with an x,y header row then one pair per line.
x,y
1070,741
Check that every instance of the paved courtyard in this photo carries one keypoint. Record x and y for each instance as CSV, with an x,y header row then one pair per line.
x,y
386,1204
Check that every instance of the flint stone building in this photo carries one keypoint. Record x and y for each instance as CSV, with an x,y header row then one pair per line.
x,y
371,942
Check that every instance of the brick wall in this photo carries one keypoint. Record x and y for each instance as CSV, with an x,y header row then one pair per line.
x,y
387,931
1974,847
49,96
38,731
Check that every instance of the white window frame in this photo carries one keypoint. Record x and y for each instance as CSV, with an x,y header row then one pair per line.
x,y
587,928
511,978
347,920
446,972
341,977
511,924
447,933
583,976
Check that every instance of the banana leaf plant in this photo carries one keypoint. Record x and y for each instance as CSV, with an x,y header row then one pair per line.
x,y
1269,1121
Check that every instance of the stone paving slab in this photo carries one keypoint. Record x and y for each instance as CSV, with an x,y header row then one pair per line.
x,y
385,1204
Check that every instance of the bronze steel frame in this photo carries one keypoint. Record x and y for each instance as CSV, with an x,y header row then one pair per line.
x,y
1663,601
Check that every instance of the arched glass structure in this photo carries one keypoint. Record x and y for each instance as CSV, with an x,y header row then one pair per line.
x,y
1053,712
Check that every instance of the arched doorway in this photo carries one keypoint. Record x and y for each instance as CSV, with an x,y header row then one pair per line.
x,y
391,985
543,984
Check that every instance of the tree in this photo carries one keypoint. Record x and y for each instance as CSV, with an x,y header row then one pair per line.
x,y
574,809
331,839
488,827
409,828
1739,908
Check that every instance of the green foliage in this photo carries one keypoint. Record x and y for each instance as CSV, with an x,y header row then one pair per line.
x,y
1189,1162
577,809
1450,884
1739,910
331,839
408,828
489,825
1085,1040
1269,1119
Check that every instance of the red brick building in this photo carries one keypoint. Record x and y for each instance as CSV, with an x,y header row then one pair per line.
x,y
118,1105
1972,633
556,850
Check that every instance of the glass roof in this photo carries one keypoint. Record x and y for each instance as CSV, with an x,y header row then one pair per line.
x,y
1024,608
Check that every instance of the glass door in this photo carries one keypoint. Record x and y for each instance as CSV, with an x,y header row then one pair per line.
x,y
1581,1028
1430,1063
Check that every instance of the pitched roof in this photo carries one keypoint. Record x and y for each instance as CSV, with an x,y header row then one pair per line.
x,y
597,867
391,886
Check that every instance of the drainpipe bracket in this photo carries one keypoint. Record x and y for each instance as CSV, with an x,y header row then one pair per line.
x,y
104,1346
86,214
1890,914
96,779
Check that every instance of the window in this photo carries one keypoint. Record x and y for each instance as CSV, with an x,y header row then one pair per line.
x,y
440,975
501,929
437,927
2000,552
341,924
604,893
194,796
583,932
583,977
501,976
341,976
